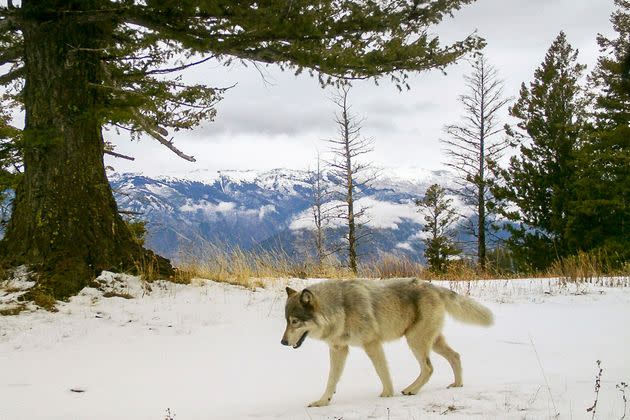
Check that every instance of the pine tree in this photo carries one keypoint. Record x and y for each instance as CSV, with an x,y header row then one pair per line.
x,y
602,219
439,216
475,144
77,66
538,190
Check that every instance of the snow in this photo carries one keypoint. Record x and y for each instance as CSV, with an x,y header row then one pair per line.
x,y
411,180
212,351
13,288
265,210
207,207
161,190
388,215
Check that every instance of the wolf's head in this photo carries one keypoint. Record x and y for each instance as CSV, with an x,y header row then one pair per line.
x,y
299,312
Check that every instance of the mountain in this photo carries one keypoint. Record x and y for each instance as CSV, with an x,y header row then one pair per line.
x,y
266,209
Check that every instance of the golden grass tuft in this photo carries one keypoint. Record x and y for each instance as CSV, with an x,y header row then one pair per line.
x,y
590,267
578,268
251,268
392,266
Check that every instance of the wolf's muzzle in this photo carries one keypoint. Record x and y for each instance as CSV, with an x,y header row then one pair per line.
x,y
301,340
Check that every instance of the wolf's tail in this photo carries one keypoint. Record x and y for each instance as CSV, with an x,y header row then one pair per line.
x,y
465,309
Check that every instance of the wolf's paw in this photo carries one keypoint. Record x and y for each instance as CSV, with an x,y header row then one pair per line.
x,y
387,393
320,403
408,391
455,385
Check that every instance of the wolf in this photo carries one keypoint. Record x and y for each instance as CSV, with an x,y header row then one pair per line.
x,y
366,313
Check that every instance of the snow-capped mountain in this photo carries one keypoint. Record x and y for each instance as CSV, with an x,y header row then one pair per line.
x,y
267,209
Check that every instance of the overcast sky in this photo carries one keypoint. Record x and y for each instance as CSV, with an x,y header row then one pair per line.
x,y
282,121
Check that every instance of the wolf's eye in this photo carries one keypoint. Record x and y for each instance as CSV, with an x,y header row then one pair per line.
x,y
294,321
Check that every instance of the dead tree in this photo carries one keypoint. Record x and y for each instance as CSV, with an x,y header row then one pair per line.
x,y
320,210
475,144
352,175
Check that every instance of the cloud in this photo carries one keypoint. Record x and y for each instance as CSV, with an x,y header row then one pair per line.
x,y
210,209
281,122
404,245
378,214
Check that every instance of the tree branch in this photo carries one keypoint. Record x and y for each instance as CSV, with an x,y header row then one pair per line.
x,y
12,75
118,155
158,133
10,55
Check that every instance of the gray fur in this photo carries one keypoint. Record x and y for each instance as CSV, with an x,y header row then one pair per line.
x,y
367,313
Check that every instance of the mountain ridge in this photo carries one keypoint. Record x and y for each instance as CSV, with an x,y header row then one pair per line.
x,y
265,209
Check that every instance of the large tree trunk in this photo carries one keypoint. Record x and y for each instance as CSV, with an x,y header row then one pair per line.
x,y
65,221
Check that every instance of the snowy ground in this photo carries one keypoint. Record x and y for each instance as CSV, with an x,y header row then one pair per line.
x,y
212,351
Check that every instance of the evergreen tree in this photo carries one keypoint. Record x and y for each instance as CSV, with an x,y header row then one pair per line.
x,y
78,65
538,187
475,144
439,216
602,219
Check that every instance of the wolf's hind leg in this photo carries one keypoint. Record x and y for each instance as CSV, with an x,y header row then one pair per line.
x,y
338,355
375,352
443,349
420,341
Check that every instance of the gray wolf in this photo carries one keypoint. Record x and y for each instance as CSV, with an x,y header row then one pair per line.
x,y
366,313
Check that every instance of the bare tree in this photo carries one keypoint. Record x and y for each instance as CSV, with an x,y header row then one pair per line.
x,y
475,144
321,212
353,176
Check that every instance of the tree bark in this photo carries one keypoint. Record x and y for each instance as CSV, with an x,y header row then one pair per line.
x,y
65,221
481,198
352,240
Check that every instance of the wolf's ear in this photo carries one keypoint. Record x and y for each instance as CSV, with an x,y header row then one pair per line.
x,y
307,298
290,292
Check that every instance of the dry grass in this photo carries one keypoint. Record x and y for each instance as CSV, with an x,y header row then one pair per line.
x,y
12,310
148,268
111,294
253,269
392,266
460,270
582,267
248,269
589,268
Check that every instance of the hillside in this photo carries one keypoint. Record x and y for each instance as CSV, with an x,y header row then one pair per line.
x,y
269,209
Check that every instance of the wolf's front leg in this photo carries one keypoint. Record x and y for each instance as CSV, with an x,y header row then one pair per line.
x,y
338,356
374,351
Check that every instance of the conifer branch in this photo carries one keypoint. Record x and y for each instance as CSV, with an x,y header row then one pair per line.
x,y
158,134
12,75
118,155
